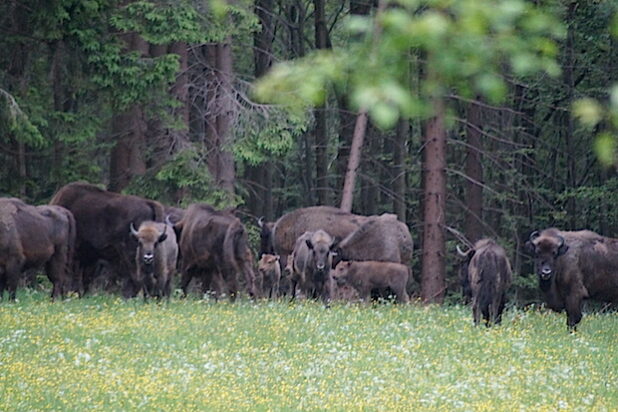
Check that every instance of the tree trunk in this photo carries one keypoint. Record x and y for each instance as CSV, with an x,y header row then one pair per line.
x,y
399,170
128,128
354,161
321,138
567,120
260,177
226,170
127,159
474,171
347,118
433,283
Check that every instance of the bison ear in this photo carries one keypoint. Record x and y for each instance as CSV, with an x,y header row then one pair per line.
x,y
309,244
530,248
162,237
562,249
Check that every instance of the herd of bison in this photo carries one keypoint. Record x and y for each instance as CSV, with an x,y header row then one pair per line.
x,y
316,252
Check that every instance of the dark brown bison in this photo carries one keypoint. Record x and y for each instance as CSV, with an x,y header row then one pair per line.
x,y
573,266
270,275
485,273
155,257
367,276
214,244
103,219
266,239
311,265
31,237
174,214
380,238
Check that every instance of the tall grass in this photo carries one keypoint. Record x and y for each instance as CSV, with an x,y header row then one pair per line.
x,y
105,353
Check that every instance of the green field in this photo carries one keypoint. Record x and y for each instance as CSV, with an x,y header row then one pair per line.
x,y
108,354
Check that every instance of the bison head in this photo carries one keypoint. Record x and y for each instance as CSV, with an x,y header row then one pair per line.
x,y
546,249
340,274
148,238
268,264
320,248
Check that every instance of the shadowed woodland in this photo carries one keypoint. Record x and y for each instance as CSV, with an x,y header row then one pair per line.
x,y
476,118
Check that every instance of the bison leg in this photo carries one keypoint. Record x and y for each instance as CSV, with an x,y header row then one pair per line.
x,y
402,295
274,289
495,310
184,281
55,272
2,282
476,311
12,273
130,289
574,311
231,283
400,291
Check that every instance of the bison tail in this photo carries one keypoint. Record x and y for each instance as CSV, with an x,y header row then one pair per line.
x,y
488,275
233,236
71,269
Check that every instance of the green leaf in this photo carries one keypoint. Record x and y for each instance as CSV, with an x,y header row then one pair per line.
x,y
588,111
605,149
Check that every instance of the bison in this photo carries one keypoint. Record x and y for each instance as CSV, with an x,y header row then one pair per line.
x,y
31,237
102,220
155,257
485,273
270,275
266,240
366,276
311,265
573,266
213,245
381,238
289,227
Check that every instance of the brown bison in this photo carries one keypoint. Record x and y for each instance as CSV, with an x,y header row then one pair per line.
x,y
289,227
174,214
102,220
381,238
213,245
270,275
486,275
155,258
573,266
311,265
31,237
367,276
266,240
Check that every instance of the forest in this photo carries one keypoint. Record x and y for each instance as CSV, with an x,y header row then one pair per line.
x,y
465,118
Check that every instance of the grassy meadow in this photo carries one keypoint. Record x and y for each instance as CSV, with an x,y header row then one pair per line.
x,y
105,353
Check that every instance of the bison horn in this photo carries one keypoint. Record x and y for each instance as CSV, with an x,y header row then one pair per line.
x,y
534,235
133,231
261,221
461,252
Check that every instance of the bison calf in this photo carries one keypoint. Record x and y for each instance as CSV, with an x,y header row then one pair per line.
x,y
270,275
369,275
155,258
486,275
